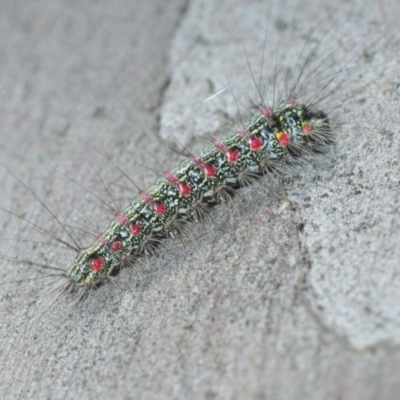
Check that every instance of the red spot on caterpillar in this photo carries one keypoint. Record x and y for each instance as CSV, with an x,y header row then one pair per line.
x,y
283,138
209,171
267,112
121,219
116,246
184,188
97,264
232,155
307,129
135,228
160,208
255,143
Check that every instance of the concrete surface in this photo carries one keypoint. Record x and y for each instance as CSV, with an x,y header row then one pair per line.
x,y
291,293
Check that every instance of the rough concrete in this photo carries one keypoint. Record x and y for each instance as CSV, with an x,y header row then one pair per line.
x,y
269,302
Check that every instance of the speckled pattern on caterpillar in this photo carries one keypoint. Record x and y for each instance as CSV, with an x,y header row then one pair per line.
x,y
271,138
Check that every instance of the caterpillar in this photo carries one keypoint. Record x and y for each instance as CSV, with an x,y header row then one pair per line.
x,y
276,136
268,140
273,138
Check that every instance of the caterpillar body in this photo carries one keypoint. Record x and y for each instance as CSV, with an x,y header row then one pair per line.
x,y
278,134
271,138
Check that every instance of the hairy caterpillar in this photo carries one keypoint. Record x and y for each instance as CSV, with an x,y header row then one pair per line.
x,y
274,137
270,138
100,345
280,133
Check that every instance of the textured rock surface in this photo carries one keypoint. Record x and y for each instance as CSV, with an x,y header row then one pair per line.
x,y
295,302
